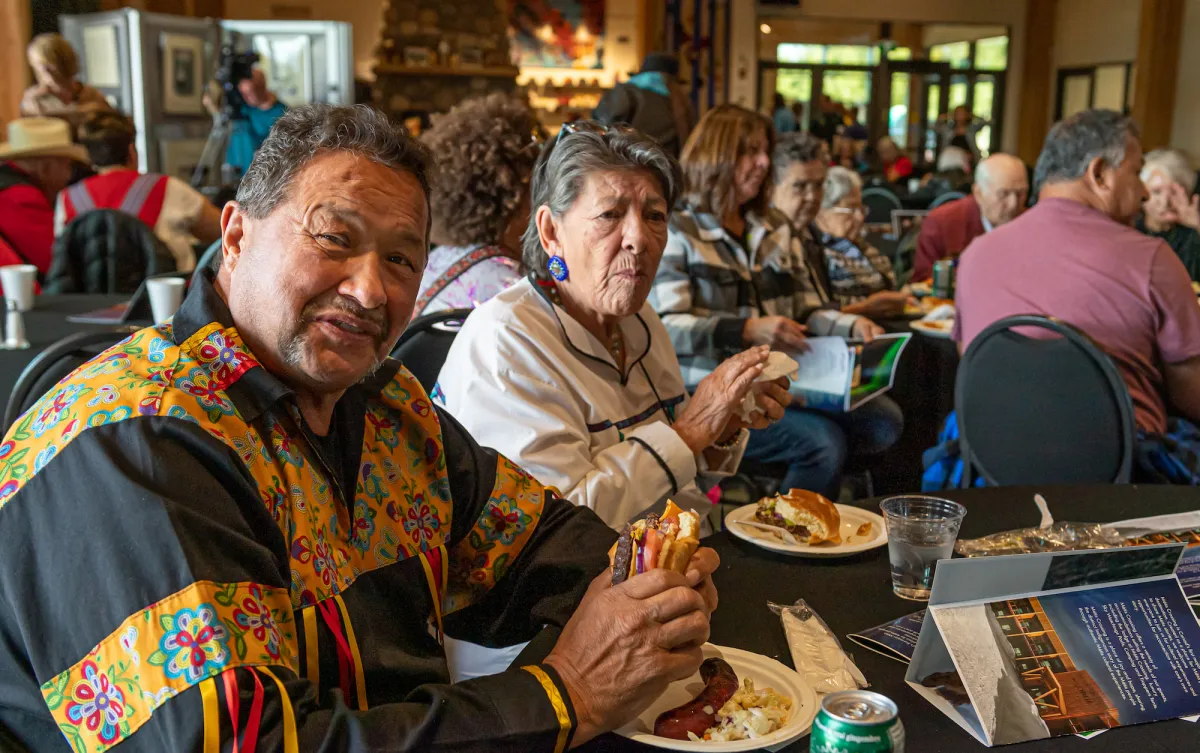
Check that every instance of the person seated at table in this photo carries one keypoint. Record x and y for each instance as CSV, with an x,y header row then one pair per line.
x,y
484,150
1000,195
860,278
570,374
848,153
1172,213
57,91
177,213
272,528
895,163
35,164
953,173
734,274
1075,256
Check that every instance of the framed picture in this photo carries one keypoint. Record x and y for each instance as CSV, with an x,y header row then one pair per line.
x,y
183,74
285,60
557,33
421,57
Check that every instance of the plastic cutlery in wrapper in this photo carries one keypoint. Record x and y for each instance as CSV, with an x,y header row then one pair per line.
x,y
816,653
779,364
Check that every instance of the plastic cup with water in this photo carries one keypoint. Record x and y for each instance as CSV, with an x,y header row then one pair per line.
x,y
921,531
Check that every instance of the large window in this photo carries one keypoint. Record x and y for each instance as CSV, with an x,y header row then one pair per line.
x,y
828,54
1107,86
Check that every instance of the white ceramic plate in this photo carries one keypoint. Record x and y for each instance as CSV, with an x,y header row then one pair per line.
x,y
766,673
933,330
852,543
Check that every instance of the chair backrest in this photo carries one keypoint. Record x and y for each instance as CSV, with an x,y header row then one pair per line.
x,y
880,202
106,251
426,342
54,364
1042,405
946,197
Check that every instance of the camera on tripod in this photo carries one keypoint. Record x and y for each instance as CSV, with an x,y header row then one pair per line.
x,y
233,67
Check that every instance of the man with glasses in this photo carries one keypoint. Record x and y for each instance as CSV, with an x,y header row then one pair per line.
x,y
1000,194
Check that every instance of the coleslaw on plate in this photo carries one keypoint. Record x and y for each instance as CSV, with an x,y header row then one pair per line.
x,y
749,714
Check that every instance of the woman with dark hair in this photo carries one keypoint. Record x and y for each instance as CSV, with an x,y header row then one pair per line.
x,y
484,151
735,274
569,373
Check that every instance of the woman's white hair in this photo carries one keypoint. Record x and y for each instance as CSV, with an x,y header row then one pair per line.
x,y
1172,163
954,158
840,182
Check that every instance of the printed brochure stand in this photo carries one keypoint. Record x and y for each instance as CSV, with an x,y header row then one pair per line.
x,y
1031,646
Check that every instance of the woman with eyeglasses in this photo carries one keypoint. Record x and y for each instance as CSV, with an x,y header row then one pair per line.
x,y
484,150
736,273
570,374
860,278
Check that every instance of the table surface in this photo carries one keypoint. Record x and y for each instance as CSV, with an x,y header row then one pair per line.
x,y
46,324
855,593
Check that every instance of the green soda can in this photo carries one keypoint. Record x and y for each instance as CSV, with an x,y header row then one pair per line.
x,y
857,721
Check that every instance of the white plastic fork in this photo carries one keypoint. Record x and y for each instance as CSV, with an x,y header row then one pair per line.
x,y
783,533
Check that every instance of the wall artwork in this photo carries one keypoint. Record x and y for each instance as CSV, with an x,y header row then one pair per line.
x,y
183,74
557,33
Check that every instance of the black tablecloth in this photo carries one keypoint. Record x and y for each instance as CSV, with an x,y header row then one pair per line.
x,y
46,324
856,593
924,390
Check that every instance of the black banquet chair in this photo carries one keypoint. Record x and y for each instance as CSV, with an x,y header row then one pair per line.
x,y
880,201
55,363
426,342
1049,409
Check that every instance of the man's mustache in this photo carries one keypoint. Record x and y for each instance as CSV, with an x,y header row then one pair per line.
x,y
337,302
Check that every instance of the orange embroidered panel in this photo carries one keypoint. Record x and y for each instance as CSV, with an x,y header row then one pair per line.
x,y
512,512
165,649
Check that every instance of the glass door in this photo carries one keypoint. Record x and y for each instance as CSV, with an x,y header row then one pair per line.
x,y
918,91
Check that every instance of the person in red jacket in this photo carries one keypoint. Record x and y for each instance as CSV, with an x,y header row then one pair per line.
x,y
35,164
1000,194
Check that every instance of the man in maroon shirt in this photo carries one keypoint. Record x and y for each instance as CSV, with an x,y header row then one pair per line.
x,y
1075,256
1000,193
35,164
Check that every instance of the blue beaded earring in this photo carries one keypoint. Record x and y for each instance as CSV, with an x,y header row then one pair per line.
x,y
558,268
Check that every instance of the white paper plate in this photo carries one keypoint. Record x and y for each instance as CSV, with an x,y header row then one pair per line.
x,y
852,543
925,328
766,673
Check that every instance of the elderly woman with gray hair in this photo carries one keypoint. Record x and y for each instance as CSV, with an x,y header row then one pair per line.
x,y
860,278
1172,212
569,373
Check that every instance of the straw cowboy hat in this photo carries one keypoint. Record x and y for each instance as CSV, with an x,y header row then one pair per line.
x,y
41,137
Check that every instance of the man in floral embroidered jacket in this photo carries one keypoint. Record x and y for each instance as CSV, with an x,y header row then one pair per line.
x,y
244,528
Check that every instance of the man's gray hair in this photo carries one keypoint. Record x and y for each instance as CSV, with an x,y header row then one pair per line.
x,y
954,158
567,161
793,147
840,182
1073,143
1172,163
302,133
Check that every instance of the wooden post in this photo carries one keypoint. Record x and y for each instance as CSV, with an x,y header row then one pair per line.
x,y
1156,70
15,22
1036,78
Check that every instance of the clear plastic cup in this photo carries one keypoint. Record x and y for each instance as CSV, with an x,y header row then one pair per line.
x,y
921,531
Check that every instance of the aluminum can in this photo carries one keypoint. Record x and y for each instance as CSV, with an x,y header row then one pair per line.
x,y
943,278
857,721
